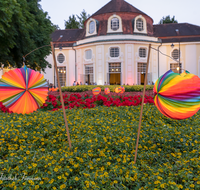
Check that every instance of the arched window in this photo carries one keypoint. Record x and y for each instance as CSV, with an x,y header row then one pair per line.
x,y
114,52
175,54
142,52
61,58
88,54
139,24
91,27
115,23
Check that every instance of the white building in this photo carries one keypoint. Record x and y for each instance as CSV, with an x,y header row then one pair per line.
x,y
113,48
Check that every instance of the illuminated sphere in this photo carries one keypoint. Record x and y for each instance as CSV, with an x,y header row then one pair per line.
x,y
96,90
107,90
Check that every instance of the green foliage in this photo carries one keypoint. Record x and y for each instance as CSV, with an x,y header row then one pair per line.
x,y
83,88
103,146
24,27
167,20
82,18
72,22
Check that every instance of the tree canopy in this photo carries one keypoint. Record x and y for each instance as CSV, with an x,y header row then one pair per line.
x,y
24,27
167,20
74,23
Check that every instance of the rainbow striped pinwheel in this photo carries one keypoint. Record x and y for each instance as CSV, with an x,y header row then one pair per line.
x,y
177,96
23,90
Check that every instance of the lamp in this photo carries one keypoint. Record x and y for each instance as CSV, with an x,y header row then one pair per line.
x,y
60,48
172,45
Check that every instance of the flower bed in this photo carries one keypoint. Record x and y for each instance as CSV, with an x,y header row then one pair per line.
x,y
34,150
87,100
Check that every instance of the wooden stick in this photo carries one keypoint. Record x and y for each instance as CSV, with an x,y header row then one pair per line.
x,y
145,82
61,97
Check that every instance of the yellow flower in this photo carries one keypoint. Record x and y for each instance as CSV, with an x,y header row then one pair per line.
x,y
192,185
76,178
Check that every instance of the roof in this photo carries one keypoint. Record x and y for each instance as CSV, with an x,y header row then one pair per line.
x,y
176,32
67,35
117,6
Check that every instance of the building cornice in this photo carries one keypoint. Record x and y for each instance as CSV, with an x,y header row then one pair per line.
x,y
118,38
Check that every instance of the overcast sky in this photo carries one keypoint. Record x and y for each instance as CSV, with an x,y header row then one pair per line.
x,y
183,10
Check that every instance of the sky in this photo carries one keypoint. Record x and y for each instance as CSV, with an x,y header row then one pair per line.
x,y
183,10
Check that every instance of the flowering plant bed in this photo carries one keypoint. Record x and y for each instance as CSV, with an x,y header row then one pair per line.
x,y
34,151
87,100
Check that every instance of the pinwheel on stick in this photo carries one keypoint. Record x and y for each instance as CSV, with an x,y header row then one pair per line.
x,y
23,90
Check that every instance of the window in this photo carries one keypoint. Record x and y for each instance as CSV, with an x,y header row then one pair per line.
x,y
88,54
139,24
142,67
114,67
114,52
115,24
89,74
174,66
175,54
61,58
142,52
62,76
91,27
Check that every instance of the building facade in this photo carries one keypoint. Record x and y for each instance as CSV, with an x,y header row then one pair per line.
x,y
113,48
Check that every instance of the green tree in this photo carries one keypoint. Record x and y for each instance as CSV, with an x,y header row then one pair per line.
x,y
82,18
167,20
73,23
24,27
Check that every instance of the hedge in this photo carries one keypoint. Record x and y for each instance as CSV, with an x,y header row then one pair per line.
x,y
83,88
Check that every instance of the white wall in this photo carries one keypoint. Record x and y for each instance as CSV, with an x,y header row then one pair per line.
x,y
100,65
49,72
129,64
71,68
163,68
190,59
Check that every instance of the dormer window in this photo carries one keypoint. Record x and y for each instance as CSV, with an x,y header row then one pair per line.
x,y
139,24
115,24
92,27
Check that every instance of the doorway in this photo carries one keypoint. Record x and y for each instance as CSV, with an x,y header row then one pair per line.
x,y
114,75
141,72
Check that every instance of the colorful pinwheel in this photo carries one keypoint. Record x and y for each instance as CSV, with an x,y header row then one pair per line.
x,y
96,90
23,90
177,96
107,90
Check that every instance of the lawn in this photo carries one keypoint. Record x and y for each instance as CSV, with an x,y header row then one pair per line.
x,y
35,154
